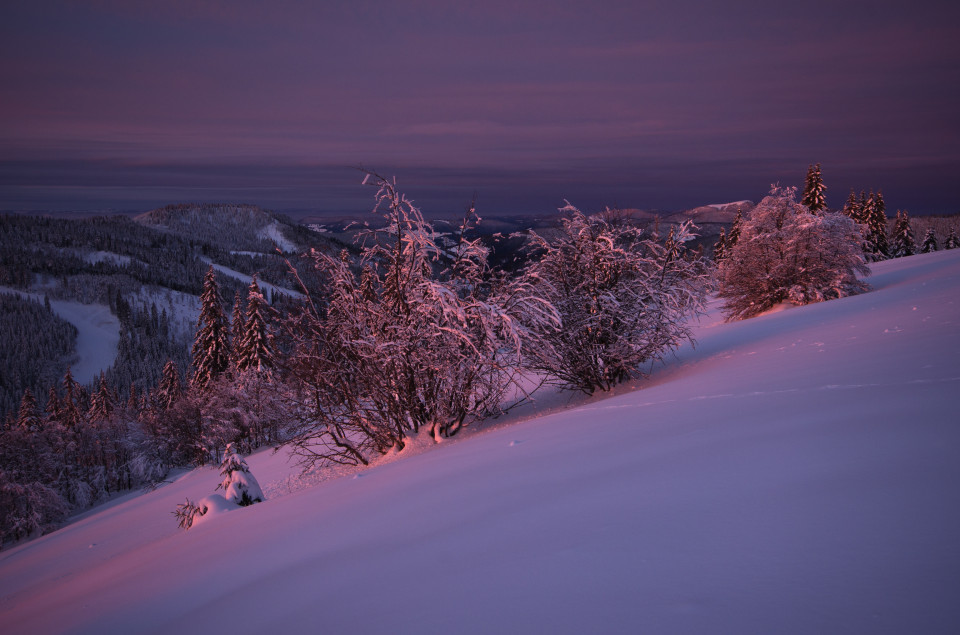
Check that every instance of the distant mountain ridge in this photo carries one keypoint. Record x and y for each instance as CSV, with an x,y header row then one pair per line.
x,y
233,226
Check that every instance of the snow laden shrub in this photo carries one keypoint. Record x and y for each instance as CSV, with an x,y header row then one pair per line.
x,y
187,512
28,509
623,299
416,334
787,254
239,485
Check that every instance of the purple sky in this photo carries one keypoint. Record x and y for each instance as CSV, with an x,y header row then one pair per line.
x,y
667,105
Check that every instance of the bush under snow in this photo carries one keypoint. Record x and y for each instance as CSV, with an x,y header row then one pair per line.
x,y
788,254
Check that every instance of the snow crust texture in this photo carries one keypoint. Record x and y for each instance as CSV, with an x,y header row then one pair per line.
x,y
794,473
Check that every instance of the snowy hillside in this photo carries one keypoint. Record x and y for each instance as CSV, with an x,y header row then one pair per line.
x,y
794,473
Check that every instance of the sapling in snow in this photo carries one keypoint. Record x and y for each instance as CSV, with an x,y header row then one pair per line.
x,y
239,485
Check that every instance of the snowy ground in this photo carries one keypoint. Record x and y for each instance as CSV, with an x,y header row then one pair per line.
x,y
273,233
98,333
106,256
794,473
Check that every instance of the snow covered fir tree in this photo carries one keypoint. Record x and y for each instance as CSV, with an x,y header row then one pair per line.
x,y
814,191
875,218
253,350
720,247
211,348
929,242
952,241
902,243
239,485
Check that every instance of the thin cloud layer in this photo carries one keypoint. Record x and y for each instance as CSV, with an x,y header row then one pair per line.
x,y
870,89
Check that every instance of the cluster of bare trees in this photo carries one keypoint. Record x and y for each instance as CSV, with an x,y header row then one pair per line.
x,y
786,253
421,335
410,333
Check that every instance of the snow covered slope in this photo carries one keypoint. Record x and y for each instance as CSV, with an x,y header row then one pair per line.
x,y
794,473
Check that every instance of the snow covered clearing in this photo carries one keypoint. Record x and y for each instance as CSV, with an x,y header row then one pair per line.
x,y
264,286
273,233
106,256
794,473
721,206
182,308
98,333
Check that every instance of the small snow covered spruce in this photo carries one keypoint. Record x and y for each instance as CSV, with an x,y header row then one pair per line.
x,y
929,242
903,243
239,485
211,347
952,242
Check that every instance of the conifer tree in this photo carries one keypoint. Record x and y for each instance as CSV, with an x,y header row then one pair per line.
x,y
875,218
133,401
52,409
236,328
863,210
852,207
720,247
102,402
734,234
903,243
814,197
929,242
211,348
28,418
952,241
238,485
71,406
169,389
254,351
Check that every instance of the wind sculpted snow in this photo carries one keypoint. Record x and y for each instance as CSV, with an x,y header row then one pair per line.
x,y
793,473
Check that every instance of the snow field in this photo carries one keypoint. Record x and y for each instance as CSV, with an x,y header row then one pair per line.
x,y
98,334
793,473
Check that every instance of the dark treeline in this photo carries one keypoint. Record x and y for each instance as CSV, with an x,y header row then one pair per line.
x,y
34,247
35,347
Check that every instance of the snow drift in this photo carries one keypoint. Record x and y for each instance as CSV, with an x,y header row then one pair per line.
x,y
794,473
